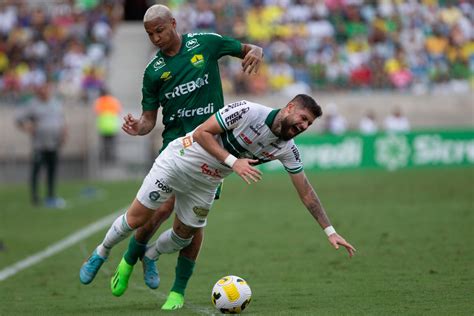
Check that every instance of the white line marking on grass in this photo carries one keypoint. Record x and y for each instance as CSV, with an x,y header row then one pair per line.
x,y
59,246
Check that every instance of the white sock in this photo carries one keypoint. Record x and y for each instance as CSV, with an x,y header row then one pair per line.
x,y
168,242
117,232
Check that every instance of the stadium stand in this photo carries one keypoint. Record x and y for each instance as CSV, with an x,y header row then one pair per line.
x,y
345,44
66,41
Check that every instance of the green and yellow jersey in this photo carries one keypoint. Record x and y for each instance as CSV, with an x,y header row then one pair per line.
x,y
188,85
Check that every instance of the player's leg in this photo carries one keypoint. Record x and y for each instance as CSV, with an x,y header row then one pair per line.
x,y
183,272
35,169
121,228
137,245
154,192
188,211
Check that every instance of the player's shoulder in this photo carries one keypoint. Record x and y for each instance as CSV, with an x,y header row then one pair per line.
x,y
202,35
193,40
155,63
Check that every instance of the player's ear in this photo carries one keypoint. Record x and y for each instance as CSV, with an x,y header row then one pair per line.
x,y
290,106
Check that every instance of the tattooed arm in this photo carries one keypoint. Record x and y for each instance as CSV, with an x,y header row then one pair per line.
x,y
310,199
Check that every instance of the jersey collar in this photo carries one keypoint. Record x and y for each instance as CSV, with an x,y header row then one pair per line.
x,y
271,117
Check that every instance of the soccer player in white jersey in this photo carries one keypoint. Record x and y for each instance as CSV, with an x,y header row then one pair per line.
x,y
235,139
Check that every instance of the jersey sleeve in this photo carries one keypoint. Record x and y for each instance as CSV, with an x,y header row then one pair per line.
x,y
223,45
291,159
150,92
230,116
229,46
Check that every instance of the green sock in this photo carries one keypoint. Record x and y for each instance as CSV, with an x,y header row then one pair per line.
x,y
135,250
184,270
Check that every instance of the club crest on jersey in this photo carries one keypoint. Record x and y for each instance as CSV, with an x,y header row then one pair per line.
x,y
166,75
160,63
192,44
197,61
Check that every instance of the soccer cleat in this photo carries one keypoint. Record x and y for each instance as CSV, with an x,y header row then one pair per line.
x,y
150,273
174,301
119,282
90,268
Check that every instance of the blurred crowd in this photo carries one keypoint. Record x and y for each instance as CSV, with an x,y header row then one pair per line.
x,y
344,44
417,46
65,42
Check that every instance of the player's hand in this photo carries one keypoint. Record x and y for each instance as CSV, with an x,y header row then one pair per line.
x,y
252,60
130,125
337,240
248,173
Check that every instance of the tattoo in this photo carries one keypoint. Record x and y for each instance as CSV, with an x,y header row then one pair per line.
x,y
314,205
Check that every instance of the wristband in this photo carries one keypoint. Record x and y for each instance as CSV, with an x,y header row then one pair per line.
x,y
230,160
329,230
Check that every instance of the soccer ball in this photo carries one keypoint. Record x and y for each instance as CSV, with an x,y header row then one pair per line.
x,y
231,294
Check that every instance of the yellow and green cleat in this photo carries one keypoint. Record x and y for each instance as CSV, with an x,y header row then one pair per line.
x,y
174,301
119,282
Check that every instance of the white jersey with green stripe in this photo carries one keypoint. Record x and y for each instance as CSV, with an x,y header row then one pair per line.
x,y
247,134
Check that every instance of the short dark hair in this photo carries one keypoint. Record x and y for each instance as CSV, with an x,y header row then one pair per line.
x,y
307,102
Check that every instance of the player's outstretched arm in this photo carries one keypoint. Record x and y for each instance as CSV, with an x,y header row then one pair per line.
x,y
204,136
310,199
252,58
142,126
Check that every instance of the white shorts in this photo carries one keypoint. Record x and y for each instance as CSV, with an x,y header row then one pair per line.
x,y
193,199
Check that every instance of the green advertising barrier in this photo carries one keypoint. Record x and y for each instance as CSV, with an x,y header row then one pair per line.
x,y
384,150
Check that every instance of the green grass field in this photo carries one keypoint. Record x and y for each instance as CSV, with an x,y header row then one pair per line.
x,y
413,231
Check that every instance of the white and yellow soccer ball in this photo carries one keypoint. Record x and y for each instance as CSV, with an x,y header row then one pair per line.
x,y
231,295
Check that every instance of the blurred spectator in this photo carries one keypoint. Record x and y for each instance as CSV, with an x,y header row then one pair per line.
x,y
396,122
66,41
335,123
107,109
325,44
368,125
44,121
340,44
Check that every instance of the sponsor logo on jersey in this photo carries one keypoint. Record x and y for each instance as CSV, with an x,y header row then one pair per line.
x,y
296,153
154,195
200,211
160,183
166,75
233,105
192,44
215,173
187,141
245,138
234,117
204,110
188,87
275,144
267,155
160,63
256,128
197,60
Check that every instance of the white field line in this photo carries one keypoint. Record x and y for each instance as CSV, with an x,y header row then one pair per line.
x,y
73,239
58,247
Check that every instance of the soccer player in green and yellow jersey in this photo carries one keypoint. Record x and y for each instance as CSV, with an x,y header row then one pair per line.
x,y
183,79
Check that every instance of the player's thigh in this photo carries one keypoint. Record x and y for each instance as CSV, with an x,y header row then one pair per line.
x,y
155,189
160,215
138,214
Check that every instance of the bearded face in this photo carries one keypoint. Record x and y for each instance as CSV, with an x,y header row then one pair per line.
x,y
295,122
